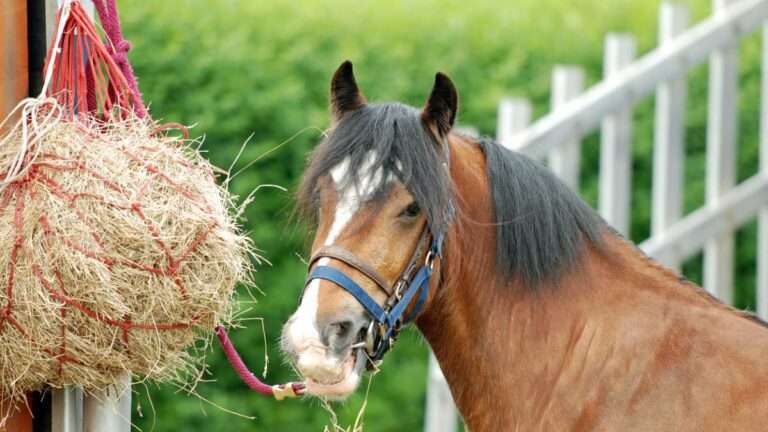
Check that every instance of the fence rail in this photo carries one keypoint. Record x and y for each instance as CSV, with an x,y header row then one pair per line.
x,y
668,62
608,106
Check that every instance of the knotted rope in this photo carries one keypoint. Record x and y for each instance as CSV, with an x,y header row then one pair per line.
x,y
118,48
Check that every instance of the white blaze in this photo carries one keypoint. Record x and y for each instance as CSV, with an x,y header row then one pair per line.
x,y
303,329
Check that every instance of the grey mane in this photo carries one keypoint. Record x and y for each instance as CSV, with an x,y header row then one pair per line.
x,y
542,225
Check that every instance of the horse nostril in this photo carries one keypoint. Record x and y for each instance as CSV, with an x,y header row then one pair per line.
x,y
341,328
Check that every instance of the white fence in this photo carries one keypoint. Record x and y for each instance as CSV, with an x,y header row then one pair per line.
x,y
608,105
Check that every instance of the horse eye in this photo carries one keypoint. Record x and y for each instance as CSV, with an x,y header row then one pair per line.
x,y
411,211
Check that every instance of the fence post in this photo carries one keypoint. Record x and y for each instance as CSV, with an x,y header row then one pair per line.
x,y
20,418
441,412
721,158
567,83
616,141
514,115
762,218
669,133
110,409
67,410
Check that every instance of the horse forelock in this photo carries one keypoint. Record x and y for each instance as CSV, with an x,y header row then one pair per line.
x,y
375,145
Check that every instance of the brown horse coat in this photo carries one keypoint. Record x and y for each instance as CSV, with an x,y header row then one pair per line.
x,y
620,343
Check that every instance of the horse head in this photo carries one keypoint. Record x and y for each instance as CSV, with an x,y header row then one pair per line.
x,y
378,192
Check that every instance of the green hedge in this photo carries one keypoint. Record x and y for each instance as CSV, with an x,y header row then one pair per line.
x,y
236,68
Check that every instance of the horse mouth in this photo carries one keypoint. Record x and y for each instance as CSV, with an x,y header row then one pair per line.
x,y
352,370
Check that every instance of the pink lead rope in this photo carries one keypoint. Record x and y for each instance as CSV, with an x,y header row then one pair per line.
x,y
279,391
118,47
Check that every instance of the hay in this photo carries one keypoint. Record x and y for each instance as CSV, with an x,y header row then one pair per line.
x,y
118,252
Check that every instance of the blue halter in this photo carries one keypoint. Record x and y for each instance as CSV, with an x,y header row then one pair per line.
x,y
387,321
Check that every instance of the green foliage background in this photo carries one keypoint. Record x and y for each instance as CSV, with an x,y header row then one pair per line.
x,y
236,68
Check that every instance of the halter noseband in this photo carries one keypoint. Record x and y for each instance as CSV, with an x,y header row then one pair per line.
x,y
387,320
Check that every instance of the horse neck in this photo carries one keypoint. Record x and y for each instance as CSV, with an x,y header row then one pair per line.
x,y
512,355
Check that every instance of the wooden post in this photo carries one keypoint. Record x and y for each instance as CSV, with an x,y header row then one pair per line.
x,y
721,158
762,218
669,133
14,86
616,141
14,73
567,83
441,412
514,115
19,421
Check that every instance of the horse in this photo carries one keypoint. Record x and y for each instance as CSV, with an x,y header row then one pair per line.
x,y
541,316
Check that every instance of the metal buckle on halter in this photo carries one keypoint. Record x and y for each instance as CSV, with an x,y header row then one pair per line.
x,y
397,293
429,261
369,343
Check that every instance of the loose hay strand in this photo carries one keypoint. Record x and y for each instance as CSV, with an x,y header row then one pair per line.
x,y
358,425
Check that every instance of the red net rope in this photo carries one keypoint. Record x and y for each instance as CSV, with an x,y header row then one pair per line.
x,y
86,77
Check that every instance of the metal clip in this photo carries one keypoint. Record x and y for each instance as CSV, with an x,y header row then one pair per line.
x,y
283,391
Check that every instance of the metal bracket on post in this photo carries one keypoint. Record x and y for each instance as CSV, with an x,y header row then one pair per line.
x,y
66,403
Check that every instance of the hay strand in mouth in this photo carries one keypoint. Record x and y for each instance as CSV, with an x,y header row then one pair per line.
x,y
118,253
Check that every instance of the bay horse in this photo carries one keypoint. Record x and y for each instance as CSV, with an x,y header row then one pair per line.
x,y
540,315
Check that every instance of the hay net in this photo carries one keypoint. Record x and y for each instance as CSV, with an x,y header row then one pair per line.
x,y
118,250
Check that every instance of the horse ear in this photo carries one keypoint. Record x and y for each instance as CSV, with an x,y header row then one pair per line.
x,y
345,95
440,111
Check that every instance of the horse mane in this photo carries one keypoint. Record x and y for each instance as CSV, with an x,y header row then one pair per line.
x,y
542,226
